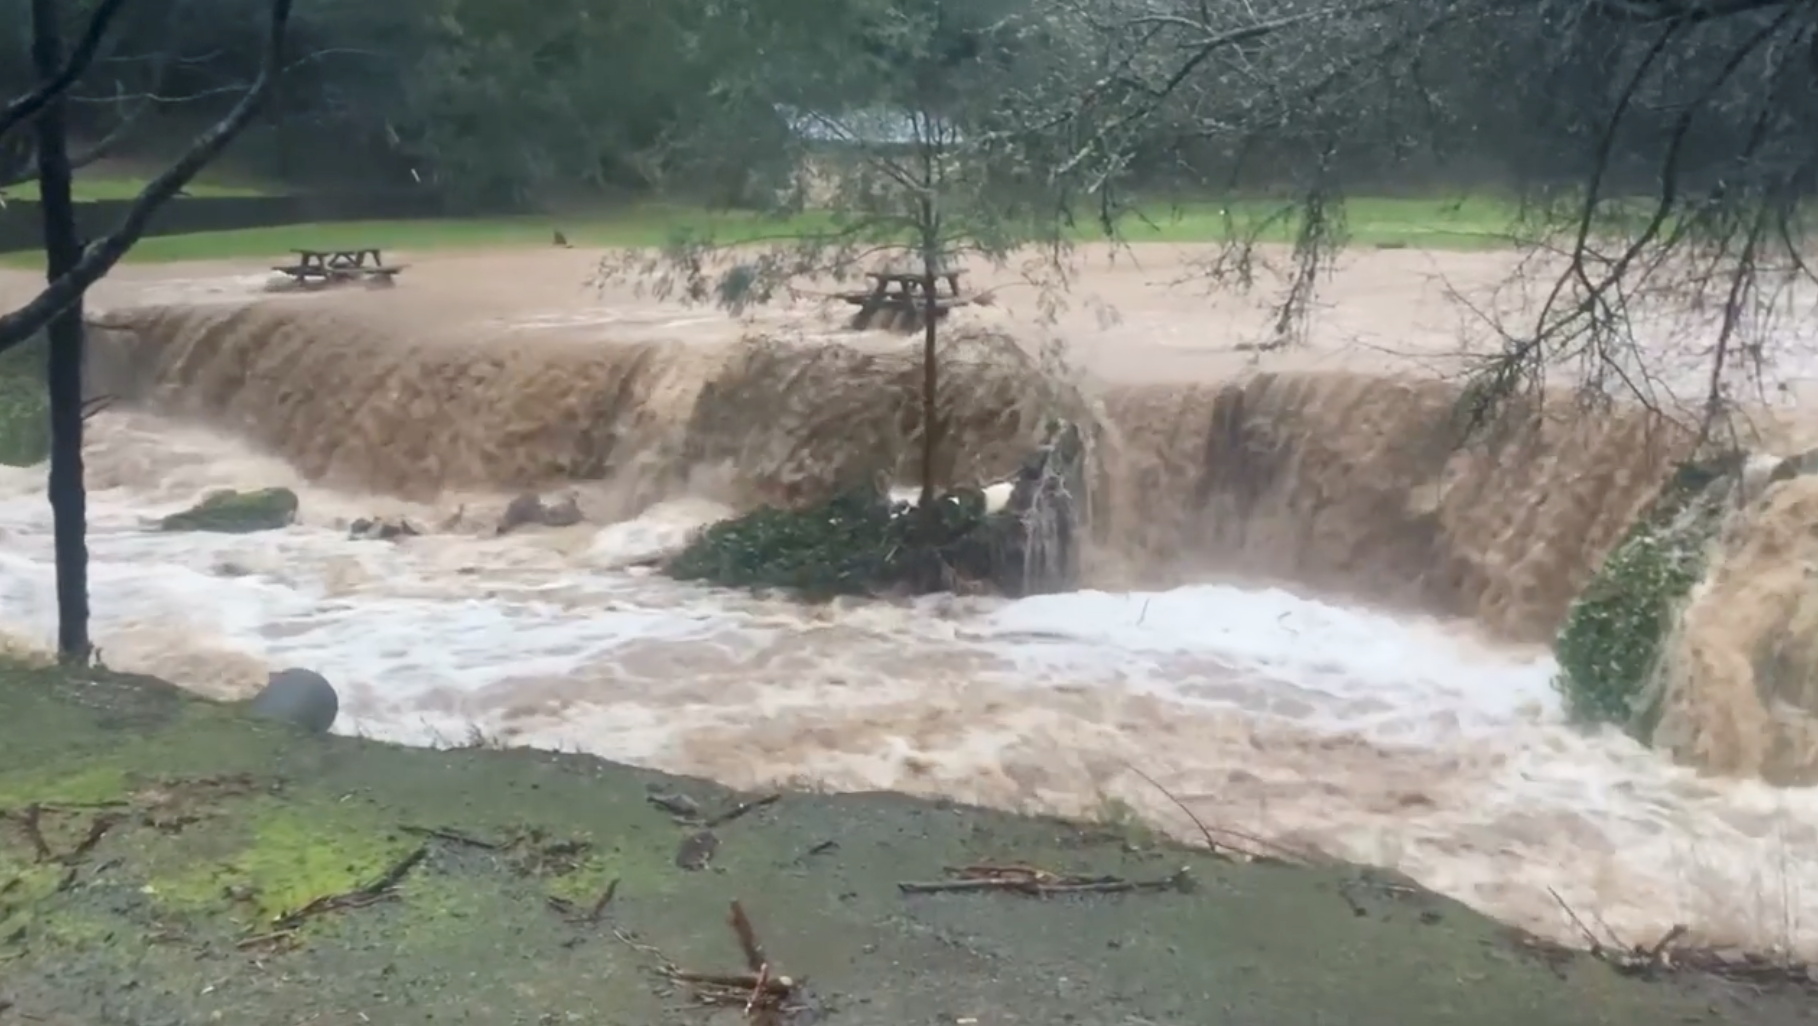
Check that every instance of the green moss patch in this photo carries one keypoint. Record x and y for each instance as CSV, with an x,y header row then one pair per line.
x,y
222,821
1613,632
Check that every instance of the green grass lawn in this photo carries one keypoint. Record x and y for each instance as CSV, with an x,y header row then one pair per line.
x,y
1468,223
117,187
1464,222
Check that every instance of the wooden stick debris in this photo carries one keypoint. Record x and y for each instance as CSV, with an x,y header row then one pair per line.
x,y
743,808
1259,850
384,888
760,990
28,820
1018,879
453,837
748,942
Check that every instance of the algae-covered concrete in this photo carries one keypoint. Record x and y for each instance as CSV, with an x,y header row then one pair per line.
x,y
155,844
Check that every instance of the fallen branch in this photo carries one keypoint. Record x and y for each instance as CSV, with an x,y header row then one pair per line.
x,y
96,830
1268,851
31,824
774,986
1041,883
453,837
574,915
1668,954
27,818
741,809
761,992
382,889
748,942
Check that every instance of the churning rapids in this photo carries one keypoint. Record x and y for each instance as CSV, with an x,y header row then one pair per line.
x,y
1383,739
1379,739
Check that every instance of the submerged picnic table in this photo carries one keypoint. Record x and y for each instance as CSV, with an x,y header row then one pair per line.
x,y
326,265
904,295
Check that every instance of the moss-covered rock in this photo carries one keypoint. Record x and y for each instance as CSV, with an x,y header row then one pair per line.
x,y
863,543
1613,632
231,512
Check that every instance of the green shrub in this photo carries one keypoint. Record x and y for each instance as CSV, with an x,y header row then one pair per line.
x,y
854,544
1613,631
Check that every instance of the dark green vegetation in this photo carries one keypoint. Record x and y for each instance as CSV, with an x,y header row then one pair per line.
x,y
1613,633
864,543
231,512
855,544
198,866
24,407
1462,223
859,544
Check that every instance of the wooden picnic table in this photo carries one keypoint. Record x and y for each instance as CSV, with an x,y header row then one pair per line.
x,y
339,258
903,293
326,265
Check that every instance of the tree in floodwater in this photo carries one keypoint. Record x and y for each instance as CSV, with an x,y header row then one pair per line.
x,y
71,267
906,136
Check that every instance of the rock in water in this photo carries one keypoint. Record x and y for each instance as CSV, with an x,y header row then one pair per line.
x,y
529,508
302,698
380,529
231,512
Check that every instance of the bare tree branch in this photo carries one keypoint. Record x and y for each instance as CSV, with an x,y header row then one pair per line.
x,y
27,107
100,256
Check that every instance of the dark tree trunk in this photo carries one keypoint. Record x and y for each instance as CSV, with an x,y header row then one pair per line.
x,y
62,248
931,414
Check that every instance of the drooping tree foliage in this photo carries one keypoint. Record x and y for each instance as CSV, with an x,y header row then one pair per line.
x,y
1662,151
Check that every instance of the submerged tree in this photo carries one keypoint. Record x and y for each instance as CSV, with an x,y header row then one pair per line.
x,y
910,135
72,267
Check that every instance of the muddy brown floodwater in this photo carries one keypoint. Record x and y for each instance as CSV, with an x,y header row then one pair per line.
x,y
1309,615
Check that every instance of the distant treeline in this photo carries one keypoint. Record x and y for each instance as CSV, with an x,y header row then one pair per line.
x,y
21,226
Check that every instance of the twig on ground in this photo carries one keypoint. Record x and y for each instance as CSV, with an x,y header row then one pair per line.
x,y
1269,851
748,942
742,808
1041,883
382,889
31,824
27,818
1634,959
761,992
817,848
453,837
1592,941
576,916
96,830
605,899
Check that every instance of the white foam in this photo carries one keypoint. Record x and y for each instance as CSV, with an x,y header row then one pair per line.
x,y
1373,736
